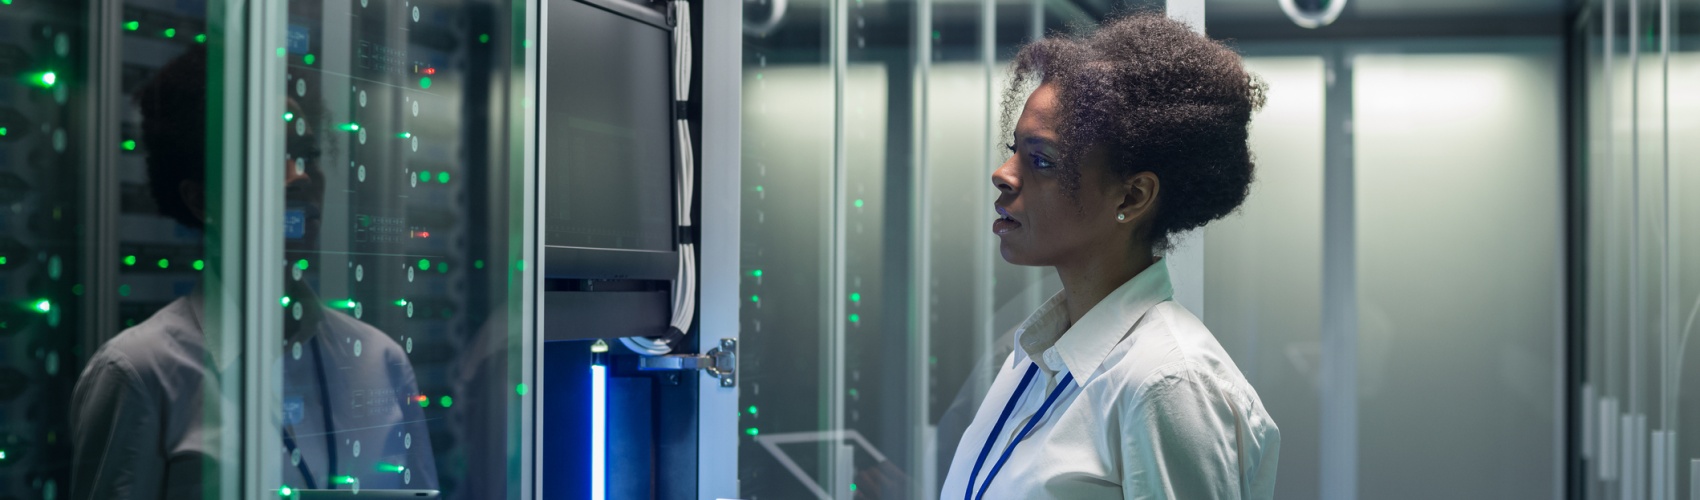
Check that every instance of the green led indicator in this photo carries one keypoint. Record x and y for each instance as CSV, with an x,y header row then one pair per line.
x,y
128,145
424,401
164,263
343,479
752,431
401,302
936,34
133,25
383,467
855,319
46,79
520,388
349,127
446,401
520,265
43,306
753,410
301,264
756,273
285,301
286,491
424,176
4,2
758,189
281,52
123,290
443,177
201,38
755,298
855,297
288,116
484,38
478,264
855,394
404,135
198,264
308,59
170,33
758,76
424,82
852,486
425,264
2,131
858,203
344,304
2,260
129,260
442,268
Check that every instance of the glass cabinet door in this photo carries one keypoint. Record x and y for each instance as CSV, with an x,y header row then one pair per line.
x,y
45,253
400,359
870,291
255,248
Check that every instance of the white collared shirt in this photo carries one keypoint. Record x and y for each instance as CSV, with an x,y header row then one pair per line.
x,y
1156,409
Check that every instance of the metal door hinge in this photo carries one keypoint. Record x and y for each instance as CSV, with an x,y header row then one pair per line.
x,y
720,362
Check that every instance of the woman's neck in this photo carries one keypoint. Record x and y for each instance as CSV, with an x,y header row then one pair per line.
x,y
1088,281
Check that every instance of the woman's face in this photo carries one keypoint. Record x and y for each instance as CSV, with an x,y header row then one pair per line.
x,y
1041,223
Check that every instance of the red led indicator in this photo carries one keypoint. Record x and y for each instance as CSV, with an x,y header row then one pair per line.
x,y
430,71
421,234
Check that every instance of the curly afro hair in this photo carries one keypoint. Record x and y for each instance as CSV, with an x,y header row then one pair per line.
x,y
1156,97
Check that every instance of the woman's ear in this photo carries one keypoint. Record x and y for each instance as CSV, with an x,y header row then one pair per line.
x,y
1139,198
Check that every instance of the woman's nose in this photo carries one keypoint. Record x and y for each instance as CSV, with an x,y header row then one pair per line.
x,y
1003,178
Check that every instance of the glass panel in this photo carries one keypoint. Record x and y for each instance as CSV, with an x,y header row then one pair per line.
x,y
1684,211
46,327
1604,251
400,219
788,313
1485,367
869,298
160,377
1263,278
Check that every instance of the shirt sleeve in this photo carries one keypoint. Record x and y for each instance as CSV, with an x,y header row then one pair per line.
x,y
1178,440
115,435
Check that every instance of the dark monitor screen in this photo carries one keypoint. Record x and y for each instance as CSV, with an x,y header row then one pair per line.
x,y
609,134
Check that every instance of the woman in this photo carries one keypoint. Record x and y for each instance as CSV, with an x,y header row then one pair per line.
x,y
1134,134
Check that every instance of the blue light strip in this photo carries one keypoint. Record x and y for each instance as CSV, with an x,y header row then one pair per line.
x,y
598,432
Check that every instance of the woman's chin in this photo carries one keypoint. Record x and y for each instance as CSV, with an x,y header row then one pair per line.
x,y
1015,255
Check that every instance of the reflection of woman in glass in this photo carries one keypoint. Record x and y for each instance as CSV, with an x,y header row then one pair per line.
x,y
145,412
1133,135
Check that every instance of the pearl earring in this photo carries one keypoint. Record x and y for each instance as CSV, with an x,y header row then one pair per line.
x,y
1121,217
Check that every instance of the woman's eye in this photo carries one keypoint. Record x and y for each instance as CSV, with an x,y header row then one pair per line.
x,y
1040,162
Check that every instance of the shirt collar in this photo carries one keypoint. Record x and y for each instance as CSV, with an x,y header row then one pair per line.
x,y
1084,345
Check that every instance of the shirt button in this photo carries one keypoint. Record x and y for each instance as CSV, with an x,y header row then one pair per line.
x,y
1053,361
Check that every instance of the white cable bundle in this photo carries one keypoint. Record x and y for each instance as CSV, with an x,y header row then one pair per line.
x,y
684,286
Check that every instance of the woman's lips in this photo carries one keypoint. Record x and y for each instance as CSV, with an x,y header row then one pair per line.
x,y
1004,223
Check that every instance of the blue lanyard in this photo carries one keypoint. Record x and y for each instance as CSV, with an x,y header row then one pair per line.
x,y
1008,408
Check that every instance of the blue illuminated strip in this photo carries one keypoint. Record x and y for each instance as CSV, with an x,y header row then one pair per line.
x,y
598,431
